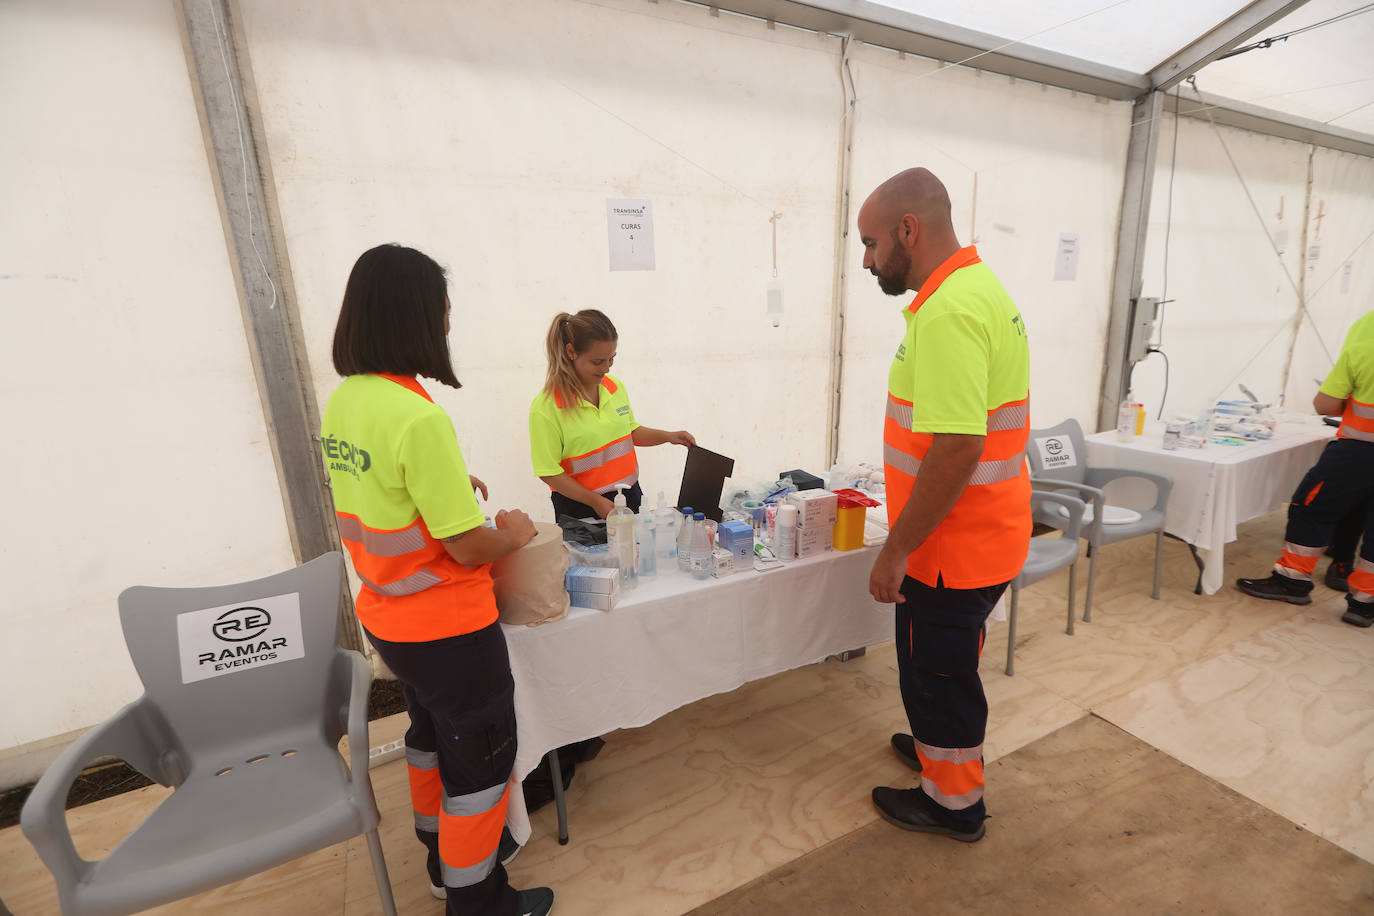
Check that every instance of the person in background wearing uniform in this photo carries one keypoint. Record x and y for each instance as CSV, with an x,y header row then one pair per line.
x,y
583,433
956,428
408,515
1342,478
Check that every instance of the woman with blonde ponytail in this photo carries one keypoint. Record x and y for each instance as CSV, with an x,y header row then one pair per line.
x,y
583,433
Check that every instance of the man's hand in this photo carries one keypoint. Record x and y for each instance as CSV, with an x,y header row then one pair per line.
x,y
478,486
885,582
517,524
681,437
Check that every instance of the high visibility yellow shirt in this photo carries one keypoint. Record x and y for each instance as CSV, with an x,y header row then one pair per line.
x,y
963,367
400,484
1352,379
591,442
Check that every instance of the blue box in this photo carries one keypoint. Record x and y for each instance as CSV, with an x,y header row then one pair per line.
x,y
737,538
592,580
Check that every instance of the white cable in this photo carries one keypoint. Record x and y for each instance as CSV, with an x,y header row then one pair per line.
x,y
243,150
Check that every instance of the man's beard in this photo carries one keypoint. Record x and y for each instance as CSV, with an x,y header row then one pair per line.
x,y
892,275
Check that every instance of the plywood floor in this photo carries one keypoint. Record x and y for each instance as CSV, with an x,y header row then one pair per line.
x,y
1270,700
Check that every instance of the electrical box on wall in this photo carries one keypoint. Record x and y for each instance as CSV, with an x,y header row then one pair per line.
x,y
1143,319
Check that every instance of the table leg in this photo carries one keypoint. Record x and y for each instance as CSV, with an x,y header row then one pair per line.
x,y
1197,590
559,802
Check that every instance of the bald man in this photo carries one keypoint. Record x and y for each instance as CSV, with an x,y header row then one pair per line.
x,y
958,493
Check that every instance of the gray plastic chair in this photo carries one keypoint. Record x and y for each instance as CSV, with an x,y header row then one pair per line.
x,y
1046,557
252,749
1090,482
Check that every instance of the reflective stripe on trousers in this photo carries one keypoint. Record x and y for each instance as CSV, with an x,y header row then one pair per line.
x,y
1361,581
470,832
1297,561
953,777
426,788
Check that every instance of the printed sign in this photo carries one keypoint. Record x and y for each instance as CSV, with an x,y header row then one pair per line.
x,y
1056,452
1066,257
630,224
236,637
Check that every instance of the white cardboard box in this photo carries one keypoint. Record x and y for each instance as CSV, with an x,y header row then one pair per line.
x,y
815,507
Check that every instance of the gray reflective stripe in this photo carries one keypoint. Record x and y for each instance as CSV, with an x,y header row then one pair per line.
x,y
410,585
952,802
1292,573
422,760
1364,565
622,482
1351,432
900,412
1013,416
473,874
597,459
900,461
951,754
479,802
1362,597
1301,551
1364,411
997,471
382,543
427,822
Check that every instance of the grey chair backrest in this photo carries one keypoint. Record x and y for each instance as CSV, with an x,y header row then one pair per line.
x,y
249,659
1058,453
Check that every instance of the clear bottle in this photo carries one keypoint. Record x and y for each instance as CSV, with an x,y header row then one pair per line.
x,y
667,524
620,537
1126,419
700,560
646,558
684,541
785,538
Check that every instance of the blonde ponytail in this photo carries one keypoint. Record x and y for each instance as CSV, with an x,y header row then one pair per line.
x,y
583,329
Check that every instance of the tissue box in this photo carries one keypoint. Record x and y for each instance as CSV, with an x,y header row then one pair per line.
x,y
592,580
601,602
723,563
737,538
815,508
815,540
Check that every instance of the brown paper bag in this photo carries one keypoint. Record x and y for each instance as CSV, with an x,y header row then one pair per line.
x,y
529,582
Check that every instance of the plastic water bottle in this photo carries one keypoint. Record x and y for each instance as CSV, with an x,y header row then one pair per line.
x,y
701,559
667,524
684,541
646,558
620,537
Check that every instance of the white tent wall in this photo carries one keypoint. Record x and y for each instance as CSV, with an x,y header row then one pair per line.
x,y
1231,318
138,452
1047,161
1339,273
493,146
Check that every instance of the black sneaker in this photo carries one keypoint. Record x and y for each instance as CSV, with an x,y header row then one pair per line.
x,y
508,848
904,746
1338,575
537,901
1277,588
901,807
1358,613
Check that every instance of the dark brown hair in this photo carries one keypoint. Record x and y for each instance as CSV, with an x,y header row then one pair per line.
x,y
392,319
581,330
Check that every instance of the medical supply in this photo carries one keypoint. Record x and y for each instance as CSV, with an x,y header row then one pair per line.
x,y
1130,419
814,507
646,554
620,536
590,555
785,531
722,563
736,538
1172,430
851,510
594,600
814,541
667,521
684,541
699,550
802,480
592,579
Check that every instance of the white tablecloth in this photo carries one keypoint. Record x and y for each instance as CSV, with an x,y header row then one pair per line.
x,y
1219,486
675,640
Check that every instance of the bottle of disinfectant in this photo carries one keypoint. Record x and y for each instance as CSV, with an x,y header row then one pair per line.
x,y
620,538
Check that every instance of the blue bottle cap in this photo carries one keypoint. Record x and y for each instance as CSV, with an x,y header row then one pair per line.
x,y
699,516
686,510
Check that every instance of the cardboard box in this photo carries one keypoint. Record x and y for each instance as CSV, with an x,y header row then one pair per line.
x,y
814,548
722,563
815,508
595,600
592,580
738,538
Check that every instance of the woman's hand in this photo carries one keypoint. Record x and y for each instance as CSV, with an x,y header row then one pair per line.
x,y
681,437
602,507
517,524
478,485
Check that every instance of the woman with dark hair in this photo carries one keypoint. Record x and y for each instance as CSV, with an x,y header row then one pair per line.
x,y
583,433
407,512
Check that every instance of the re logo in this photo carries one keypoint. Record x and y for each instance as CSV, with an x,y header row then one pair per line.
x,y
1054,446
241,624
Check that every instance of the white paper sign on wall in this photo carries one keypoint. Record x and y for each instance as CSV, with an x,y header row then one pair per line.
x,y
1056,452
1066,257
235,637
630,225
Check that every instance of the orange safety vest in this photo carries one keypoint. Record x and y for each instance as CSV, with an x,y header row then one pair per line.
x,y
608,467
1357,421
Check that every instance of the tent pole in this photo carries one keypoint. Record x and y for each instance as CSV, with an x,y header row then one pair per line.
x,y
839,296
1302,280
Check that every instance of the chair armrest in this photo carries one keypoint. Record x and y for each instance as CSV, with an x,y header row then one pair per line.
x,y
352,670
1100,477
1073,504
138,735
1049,484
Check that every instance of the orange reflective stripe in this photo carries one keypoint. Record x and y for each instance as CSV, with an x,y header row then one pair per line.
x,y
1361,581
952,777
468,840
381,543
1357,421
426,787
1312,494
614,464
1297,561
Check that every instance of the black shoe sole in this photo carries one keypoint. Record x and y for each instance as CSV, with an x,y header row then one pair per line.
x,y
1291,599
1358,620
936,829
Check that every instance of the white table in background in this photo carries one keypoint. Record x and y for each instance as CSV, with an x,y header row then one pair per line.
x,y
1219,486
675,640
